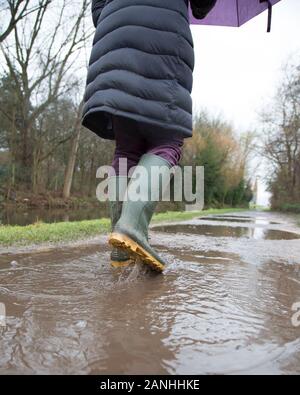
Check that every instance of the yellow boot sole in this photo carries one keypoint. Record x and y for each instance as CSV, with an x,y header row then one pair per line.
x,y
135,250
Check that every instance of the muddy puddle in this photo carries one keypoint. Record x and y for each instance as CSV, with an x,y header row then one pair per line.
x,y
228,231
257,221
212,311
228,216
225,219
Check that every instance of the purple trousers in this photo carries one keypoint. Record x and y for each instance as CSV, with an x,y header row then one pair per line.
x,y
134,139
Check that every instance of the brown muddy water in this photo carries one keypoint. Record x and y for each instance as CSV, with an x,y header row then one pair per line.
x,y
23,217
227,231
257,221
224,305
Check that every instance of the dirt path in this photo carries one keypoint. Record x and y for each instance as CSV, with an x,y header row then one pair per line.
x,y
223,305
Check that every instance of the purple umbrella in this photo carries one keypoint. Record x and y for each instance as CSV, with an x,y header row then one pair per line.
x,y
235,12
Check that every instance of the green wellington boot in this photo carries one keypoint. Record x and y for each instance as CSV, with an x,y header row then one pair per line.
x,y
119,257
131,231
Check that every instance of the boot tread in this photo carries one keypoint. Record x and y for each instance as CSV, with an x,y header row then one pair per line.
x,y
135,250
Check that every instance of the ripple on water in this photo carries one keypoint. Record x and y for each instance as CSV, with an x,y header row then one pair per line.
x,y
70,312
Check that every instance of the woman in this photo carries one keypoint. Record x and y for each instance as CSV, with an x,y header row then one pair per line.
x,y
139,93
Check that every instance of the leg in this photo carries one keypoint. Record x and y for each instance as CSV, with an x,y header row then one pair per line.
x,y
131,231
167,147
129,144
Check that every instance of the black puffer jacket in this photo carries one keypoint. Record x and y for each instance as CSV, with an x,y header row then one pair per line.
x,y
141,65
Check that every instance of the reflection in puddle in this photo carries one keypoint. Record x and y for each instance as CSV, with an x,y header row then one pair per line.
x,y
227,231
223,219
257,221
235,216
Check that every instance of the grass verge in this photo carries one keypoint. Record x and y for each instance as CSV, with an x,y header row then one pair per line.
x,y
73,231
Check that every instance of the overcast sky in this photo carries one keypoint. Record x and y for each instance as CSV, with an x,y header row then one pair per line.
x,y
237,70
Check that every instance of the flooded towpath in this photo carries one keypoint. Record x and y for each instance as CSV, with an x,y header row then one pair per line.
x,y
225,304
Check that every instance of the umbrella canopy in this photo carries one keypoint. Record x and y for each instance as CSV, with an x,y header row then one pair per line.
x,y
235,12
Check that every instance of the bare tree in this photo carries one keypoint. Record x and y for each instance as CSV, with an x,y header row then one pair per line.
x,y
282,137
73,152
40,57
16,10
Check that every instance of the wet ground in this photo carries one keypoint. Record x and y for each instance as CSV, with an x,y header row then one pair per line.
x,y
223,305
